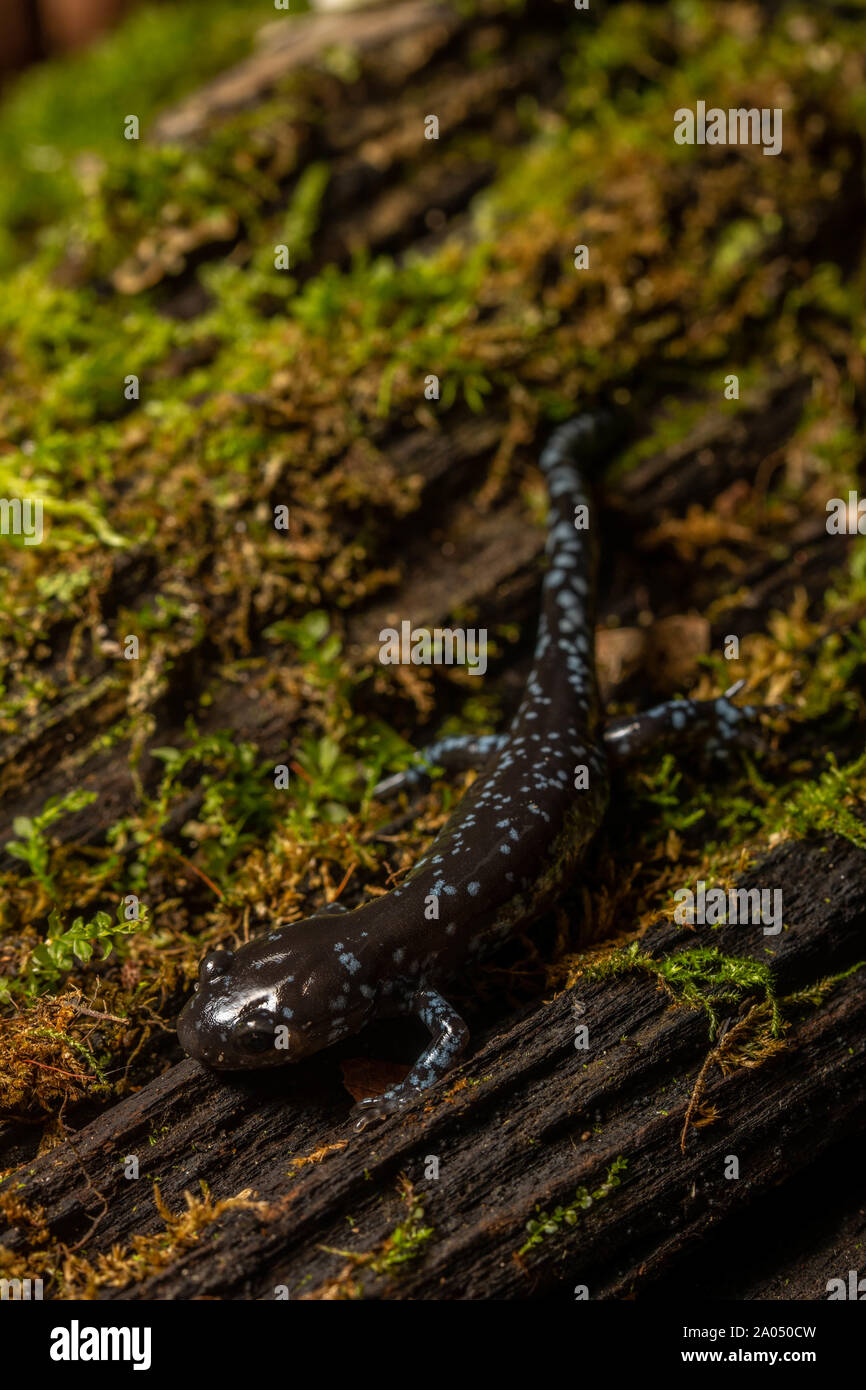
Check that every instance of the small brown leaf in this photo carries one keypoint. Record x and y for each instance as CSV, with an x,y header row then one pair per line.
x,y
363,1076
673,647
619,653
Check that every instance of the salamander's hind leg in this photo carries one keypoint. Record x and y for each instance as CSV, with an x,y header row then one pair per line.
x,y
449,1036
713,725
454,754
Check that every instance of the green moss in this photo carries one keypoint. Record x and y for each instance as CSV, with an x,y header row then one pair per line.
x,y
405,1243
547,1224
824,807
302,218
55,113
701,978
815,994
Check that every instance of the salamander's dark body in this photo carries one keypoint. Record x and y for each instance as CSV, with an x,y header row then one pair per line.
x,y
499,861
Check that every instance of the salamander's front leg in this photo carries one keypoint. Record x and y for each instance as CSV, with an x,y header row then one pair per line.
x,y
713,724
454,754
449,1036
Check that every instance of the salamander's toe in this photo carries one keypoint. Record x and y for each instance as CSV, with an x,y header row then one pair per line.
x,y
373,1110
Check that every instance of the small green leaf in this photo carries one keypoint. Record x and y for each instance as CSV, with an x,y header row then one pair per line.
x,y
170,756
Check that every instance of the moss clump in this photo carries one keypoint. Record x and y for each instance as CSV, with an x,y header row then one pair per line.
x,y
47,1057
701,978
753,1039
826,806
77,1277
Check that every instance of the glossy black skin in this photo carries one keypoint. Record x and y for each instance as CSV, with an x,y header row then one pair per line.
x,y
276,982
500,860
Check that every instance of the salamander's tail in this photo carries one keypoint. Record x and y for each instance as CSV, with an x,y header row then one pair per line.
x,y
564,649
585,442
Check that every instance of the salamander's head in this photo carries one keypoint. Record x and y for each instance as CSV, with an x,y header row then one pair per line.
x,y
260,1007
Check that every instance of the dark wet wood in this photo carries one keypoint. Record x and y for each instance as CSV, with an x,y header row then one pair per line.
x,y
538,1120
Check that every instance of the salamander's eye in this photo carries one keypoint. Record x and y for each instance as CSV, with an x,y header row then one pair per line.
x,y
256,1033
215,963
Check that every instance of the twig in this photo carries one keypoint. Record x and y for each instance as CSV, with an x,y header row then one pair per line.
x,y
346,876
95,1013
202,875
713,1056
76,1076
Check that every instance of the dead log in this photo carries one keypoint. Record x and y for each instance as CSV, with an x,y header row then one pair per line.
x,y
420,28
528,1121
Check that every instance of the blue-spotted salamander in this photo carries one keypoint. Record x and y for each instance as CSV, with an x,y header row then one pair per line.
x,y
500,860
